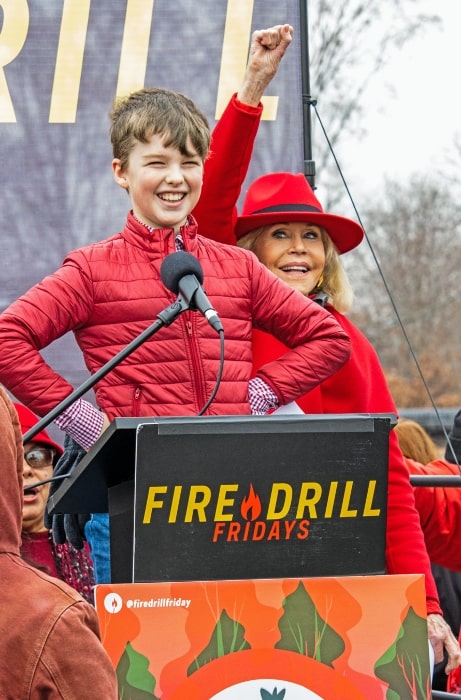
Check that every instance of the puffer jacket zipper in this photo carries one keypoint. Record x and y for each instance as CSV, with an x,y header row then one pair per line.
x,y
136,401
197,367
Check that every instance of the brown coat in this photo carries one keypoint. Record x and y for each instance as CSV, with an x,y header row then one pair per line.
x,y
49,635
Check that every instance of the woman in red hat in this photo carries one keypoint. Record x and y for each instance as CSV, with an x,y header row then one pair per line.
x,y
63,561
284,224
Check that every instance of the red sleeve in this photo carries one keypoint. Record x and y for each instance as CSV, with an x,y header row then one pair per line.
x,y
360,387
46,312
440,513
405,546
225,170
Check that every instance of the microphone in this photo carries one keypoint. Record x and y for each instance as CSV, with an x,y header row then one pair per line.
x,y
182,273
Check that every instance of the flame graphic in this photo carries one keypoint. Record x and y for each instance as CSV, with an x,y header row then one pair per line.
x,y
114,603
251,505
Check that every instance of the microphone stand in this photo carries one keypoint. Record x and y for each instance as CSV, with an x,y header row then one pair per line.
x,y
33,486
309,164
165,318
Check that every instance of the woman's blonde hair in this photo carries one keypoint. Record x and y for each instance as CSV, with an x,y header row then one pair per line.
x,y
335,282
415,442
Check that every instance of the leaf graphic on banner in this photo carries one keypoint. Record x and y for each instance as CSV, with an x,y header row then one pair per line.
x,y
265,695
227,637
304,631
135,682
404,666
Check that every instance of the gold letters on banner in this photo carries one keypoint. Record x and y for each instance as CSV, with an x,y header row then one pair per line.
x,y
133,54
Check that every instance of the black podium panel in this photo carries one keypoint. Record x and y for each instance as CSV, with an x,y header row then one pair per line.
x,y
234,497
264,504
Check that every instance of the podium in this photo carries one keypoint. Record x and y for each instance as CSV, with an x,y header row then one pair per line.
x,y
238,497
247,559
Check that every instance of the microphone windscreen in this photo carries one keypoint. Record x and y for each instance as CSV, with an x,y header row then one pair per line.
x,y
178,265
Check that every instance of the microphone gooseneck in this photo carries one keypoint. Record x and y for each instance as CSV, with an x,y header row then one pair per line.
x,y
36,484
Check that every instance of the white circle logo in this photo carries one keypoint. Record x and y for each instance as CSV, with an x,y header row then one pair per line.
x,y
113,603
267,689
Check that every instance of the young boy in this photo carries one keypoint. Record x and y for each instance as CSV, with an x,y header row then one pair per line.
x,y
109,292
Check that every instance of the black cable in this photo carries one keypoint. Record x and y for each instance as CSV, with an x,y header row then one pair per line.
x,y
218,377
386,286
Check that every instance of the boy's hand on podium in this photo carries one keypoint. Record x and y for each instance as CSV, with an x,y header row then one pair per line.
x,y
105,424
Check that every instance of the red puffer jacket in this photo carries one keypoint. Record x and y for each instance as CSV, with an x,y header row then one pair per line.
x,y
109,292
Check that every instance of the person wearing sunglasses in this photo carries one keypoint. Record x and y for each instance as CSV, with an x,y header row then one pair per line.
x,y
63,561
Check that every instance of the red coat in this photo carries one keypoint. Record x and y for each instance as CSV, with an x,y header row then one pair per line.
x,y
109,292
440,511
358,387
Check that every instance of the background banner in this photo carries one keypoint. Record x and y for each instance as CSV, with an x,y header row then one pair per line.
x,y
61,64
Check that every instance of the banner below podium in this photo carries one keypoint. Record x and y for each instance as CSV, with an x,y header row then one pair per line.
x,y
336,638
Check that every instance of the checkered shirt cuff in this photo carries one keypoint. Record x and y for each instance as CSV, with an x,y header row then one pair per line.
x,y
82,421
262,398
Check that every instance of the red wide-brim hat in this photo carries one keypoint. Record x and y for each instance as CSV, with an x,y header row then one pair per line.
x,y
283,197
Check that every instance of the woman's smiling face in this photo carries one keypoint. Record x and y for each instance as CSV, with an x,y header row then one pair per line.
x,y
293,251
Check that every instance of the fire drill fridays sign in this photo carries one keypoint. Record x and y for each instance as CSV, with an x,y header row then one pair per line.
x,y
260,505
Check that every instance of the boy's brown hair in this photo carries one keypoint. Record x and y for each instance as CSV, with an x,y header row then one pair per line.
x,y
152,111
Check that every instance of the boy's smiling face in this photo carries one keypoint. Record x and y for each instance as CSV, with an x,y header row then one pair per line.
x,y
164,185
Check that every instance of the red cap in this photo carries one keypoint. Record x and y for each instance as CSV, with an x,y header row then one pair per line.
x,y
27,420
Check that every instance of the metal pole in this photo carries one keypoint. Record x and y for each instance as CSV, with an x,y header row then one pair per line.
x,y
309,164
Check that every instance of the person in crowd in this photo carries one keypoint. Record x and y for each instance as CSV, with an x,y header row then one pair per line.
x,y
453,455
109,292
439,508
453,446
284,225
74,566
49,635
